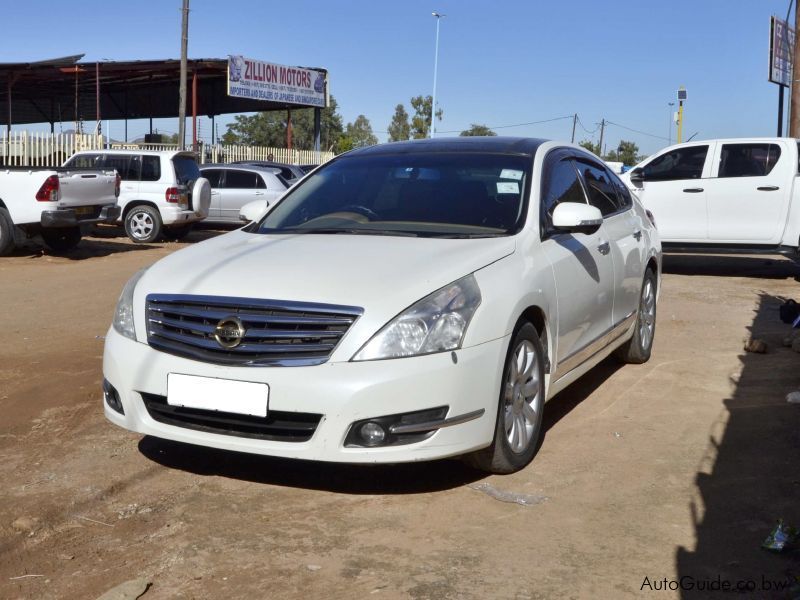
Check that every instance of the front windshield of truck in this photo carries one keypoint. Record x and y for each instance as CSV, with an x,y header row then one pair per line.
x,y
456,194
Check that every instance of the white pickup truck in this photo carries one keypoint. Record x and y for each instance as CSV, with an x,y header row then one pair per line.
x,y
54,203
732,196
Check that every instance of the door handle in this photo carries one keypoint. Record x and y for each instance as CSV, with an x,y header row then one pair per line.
x,y
259,194
637,234
693,190
768,188
604,248
214,193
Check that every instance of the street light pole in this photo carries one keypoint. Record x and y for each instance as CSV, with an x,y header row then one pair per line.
x,y
669,136
435,71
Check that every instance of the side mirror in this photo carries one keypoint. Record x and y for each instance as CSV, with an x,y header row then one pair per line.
x,y
576,217
253,211
637,176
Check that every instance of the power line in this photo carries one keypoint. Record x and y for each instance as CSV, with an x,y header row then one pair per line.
x,y
660,137
515,125
497,126
592,132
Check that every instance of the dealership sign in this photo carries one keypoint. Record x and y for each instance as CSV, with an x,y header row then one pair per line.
x,y
258,80
781,47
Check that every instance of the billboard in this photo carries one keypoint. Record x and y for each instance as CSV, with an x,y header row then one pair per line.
x,y
781,49
259,80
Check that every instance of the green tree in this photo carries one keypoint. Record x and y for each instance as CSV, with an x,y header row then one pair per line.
x,y
590,146
360,132
421,121
399,128
269,128
626,153
476,129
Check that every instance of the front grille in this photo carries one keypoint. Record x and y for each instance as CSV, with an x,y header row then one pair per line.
x,y
277,426
279,333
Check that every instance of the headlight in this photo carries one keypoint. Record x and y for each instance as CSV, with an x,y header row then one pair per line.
x,y
434,324
123,315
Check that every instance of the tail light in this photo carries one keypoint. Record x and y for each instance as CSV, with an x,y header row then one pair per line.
x,y
651,217
49,190
173,195
117,185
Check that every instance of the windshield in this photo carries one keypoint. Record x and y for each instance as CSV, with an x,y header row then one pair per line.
x,y
424,194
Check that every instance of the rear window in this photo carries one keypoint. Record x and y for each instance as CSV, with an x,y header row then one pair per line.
x,y
186,169
84,161
151,168
127,165
241,179
748,160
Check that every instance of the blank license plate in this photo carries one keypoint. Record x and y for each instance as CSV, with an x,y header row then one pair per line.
x,y
224,395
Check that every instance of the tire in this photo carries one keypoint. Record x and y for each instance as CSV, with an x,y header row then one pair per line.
x,y
177,233
637,349
61,239
143,224
518,425
6,233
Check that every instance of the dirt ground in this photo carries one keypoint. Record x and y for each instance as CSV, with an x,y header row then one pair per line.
x,y
647,474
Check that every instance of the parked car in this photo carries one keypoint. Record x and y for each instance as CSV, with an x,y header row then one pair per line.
x,y
54,203
307,168
404,302
291,174
726,195
162,192
233,186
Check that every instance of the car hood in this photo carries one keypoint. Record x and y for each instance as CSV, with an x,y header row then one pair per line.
x,y
380,274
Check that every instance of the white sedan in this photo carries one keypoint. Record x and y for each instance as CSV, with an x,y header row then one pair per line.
x,y
405,302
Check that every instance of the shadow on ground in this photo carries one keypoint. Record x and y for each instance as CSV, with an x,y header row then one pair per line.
x,y
88,248
409,478
760,267
750,475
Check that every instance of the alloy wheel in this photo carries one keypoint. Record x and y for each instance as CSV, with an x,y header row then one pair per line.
x,y
522,396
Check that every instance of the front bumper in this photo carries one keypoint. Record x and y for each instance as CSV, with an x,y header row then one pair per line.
x,y
341,393
69,217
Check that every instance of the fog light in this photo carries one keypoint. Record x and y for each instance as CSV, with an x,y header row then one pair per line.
x,y
372,433
112,397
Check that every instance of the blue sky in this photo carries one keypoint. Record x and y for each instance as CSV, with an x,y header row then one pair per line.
x,y
501,62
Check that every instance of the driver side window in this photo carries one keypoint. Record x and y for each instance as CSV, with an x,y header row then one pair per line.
x,y
561,185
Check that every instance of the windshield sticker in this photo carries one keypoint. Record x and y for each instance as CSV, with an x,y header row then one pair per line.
x,y
507,187
510,174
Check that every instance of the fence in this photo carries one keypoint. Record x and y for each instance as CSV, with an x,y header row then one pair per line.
x,y
44,149
24,149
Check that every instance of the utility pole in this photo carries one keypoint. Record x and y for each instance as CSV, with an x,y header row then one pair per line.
x,y
600,145
182,89
435,73
681,97
794,104
574,122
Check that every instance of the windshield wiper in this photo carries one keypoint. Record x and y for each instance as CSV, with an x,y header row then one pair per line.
x,y
465,236
345,230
